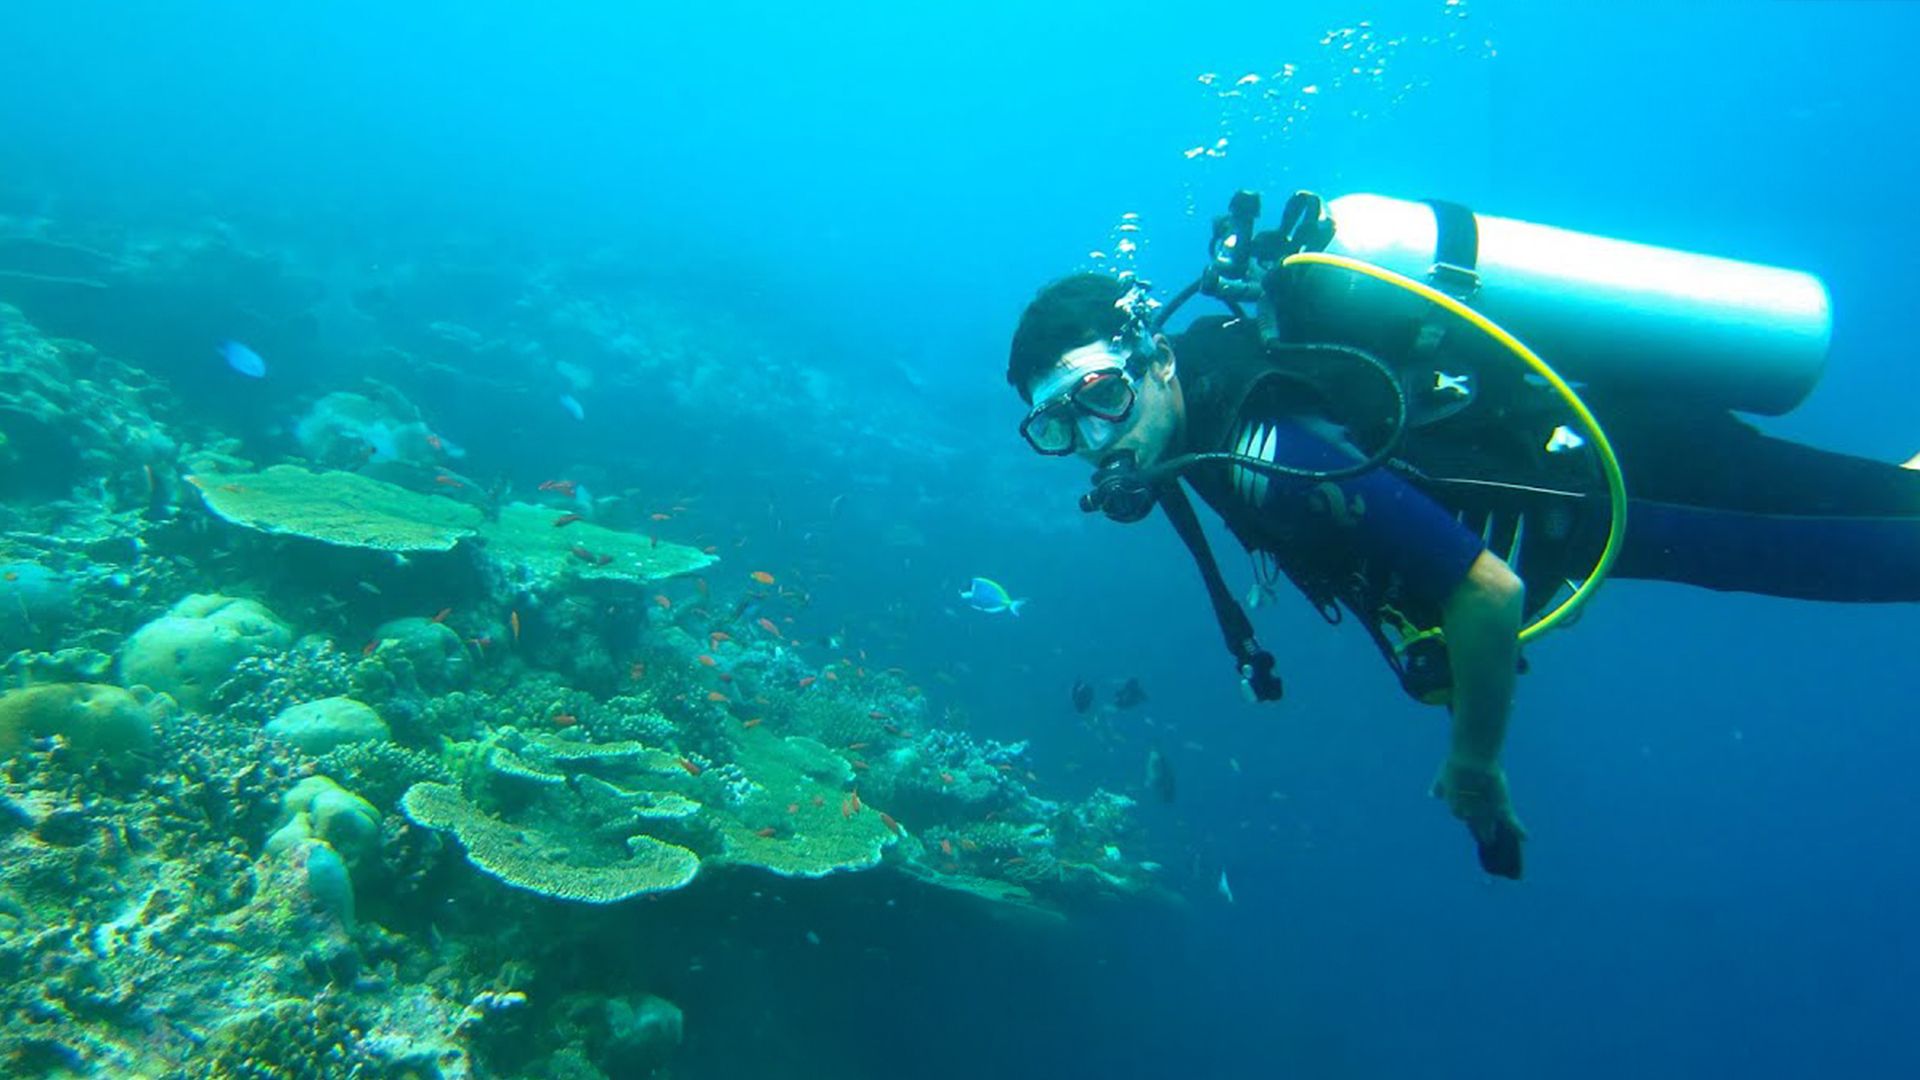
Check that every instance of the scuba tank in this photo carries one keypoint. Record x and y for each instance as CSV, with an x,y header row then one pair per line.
x,y
1610,313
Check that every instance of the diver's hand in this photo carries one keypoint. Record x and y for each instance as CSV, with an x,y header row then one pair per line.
x,y
1257,680
1477,795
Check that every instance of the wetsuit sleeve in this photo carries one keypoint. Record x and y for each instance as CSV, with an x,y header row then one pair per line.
x,y
1376,523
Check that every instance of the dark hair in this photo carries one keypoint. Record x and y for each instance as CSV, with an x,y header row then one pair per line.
x,y
1065,314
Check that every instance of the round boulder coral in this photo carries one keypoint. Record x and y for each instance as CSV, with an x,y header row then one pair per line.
x,y
99,723
316,808
323,725
438,658
188,652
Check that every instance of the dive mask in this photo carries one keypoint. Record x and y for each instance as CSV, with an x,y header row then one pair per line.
x,y
1083,405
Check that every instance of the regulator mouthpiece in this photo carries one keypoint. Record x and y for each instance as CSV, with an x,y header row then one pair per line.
x,y
1120,490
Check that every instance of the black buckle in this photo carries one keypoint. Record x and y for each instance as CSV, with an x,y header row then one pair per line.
x,y
1459,282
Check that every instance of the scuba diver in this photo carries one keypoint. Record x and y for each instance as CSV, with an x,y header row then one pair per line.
x,y
1370,422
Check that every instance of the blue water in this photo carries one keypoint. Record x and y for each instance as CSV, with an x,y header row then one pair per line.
x,y
1721,879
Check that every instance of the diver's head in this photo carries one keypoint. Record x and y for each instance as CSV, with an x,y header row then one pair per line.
x,y
1097,380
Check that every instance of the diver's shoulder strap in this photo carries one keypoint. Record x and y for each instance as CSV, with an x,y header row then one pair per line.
x,y
1234,624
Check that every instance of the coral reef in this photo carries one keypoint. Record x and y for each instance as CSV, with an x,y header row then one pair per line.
x,y
320,758
340,508
523,542
316,808
330,722
190,651
100,725
552,865
347,430
72,418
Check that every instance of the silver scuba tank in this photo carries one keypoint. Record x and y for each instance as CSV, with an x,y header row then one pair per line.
x,y
1610,313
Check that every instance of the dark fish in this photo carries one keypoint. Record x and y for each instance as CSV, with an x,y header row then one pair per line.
x,y
1082,696
1159,775
1129,695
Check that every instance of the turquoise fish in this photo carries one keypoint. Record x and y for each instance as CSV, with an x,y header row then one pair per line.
x,y
985,594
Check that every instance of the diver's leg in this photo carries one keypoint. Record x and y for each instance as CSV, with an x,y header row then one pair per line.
x,y
1721,505
1852,559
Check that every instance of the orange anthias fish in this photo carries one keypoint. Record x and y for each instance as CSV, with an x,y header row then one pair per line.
x,y
707,661
715,695
762,577
753,723
946,846
719,636
563,487
692,769
447,481
806,681
513,624
766,624
892,825
564,520
565,720
441,615
659,517
876,714
662,601
764,833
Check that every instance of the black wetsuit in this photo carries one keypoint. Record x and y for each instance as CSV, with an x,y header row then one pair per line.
x,y
1712,501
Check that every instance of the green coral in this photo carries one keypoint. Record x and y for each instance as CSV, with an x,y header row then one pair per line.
x,y
194,648
834,718
340,508
318,808
292,1038
525,537
554,864
350,510
815,828
100,723
549,758
382,771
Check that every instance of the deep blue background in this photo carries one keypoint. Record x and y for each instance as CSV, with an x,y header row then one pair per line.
x,y
1722,875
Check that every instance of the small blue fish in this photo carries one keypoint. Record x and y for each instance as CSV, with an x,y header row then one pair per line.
x,y
243,360
986,595
572,405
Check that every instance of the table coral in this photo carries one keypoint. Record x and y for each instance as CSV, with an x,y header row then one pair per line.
x,y
551,865
339,508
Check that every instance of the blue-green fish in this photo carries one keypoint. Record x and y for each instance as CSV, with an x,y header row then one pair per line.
x,y
986,595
